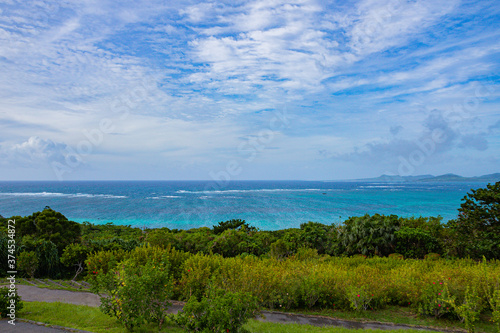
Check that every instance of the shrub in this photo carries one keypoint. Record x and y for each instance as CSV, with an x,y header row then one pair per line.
x,y
100,263
160,238
476,231
198,270
415,242
359,298
75,255
280,249
230,243
315,236
436,300
47,253
396,256
494,301
50,226
470,309
28,262
369,235
4,240
235,224
135,295
432,256
5,301
218,311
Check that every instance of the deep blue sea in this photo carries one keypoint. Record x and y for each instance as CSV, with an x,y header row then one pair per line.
x,y
268,205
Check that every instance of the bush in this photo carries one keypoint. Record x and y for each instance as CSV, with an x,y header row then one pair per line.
x,y
75,255
415,242
5,301
230,243
470,309
436,300
369,235
102,262
51,226
432,256
28,262
47,253
235,224
315,236
359,298
397,256
218,311
198,269
280,249
494,301
4,246
135,295
477,228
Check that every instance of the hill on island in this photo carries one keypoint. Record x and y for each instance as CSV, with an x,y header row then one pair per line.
x,y
449,177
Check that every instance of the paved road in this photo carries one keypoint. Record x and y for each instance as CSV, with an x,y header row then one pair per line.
x,y
35,294
22,327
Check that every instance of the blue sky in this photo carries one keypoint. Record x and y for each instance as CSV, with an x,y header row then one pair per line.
x,y
271,89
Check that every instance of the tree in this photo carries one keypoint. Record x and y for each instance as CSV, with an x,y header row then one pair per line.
x,y
75,255
315,236
369,235
46,252
415,242
235,224
51,226
28,261
477,228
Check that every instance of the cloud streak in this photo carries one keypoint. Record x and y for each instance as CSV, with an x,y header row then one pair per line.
x,y
183,82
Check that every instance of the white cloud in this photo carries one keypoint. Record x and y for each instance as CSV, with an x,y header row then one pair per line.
x,y
33,152
378,26
194,76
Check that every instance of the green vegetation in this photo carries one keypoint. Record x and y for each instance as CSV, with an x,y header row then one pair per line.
x,y
257,326
28,262
75,255
6,305
91,319
81,317
135,294
476,232
368,263
218,311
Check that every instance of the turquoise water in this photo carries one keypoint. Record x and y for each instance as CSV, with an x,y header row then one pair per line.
x,y
268,205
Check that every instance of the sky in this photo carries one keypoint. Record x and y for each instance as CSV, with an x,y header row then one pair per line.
x,y
257,90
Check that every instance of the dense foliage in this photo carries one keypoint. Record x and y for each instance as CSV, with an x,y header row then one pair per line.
x,y
47,225
218,311
474,234
6,305
459,289
301,267
477,228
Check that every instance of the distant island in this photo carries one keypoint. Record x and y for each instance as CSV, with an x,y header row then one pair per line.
x,y
449,177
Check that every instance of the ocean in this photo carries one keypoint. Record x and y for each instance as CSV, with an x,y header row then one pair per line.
x,y
267,205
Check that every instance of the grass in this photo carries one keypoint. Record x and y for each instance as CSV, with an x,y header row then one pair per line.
x,y
92,319
59,284
401,315
82,317
257,326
